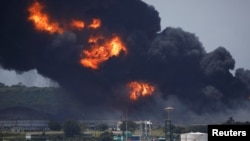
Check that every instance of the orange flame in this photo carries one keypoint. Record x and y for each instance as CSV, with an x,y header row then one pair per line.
x,y
96,23
101,52
41,20
140,89
101,49
77,24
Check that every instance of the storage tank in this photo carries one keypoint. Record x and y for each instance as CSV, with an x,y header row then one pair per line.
x,y
194,136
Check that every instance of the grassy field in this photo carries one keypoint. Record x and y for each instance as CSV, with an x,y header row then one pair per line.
x,y
155,133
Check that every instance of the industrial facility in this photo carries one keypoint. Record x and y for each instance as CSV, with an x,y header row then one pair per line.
x,y
194,136
23,125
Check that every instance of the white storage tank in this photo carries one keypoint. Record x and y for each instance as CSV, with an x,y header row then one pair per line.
x,y
194,136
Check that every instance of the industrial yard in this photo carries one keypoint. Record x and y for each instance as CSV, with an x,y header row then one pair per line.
x,y
144,130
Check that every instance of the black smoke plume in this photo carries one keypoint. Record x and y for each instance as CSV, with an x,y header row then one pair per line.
x,y
174,60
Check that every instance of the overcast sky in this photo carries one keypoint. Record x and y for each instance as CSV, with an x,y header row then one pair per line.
x,y
216,22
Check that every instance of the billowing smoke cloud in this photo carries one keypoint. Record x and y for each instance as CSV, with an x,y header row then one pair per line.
x,y
173,60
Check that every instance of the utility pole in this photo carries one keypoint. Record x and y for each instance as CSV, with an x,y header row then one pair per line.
x,y
126,120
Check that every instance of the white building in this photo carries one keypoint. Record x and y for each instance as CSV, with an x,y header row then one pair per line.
x,y
194,136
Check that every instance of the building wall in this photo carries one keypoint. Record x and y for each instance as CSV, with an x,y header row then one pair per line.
x,y
194,136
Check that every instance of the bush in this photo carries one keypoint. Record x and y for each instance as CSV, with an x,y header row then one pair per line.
x,y
106,136
71,128
54,126
102,127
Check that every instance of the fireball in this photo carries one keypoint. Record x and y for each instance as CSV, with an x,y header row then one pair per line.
x,y
140,89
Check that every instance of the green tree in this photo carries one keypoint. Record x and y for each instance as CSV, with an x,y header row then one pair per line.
x,y
54,126
196,128
230,121
178,129
83,126
2,85
1,136
102,127
71,128
106,136
130,125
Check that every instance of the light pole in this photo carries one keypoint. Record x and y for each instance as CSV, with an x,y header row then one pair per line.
x,y
125,123
126,132
168,132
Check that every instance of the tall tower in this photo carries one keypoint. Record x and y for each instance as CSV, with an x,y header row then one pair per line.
x,y
146,129
168,131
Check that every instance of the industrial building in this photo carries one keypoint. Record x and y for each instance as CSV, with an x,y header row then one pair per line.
x,y
194,136
23,125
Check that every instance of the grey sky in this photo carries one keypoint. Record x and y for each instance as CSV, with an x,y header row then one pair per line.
x,y
216,22
30,78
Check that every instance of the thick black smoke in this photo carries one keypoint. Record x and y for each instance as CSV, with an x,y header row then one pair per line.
x,y
174,60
